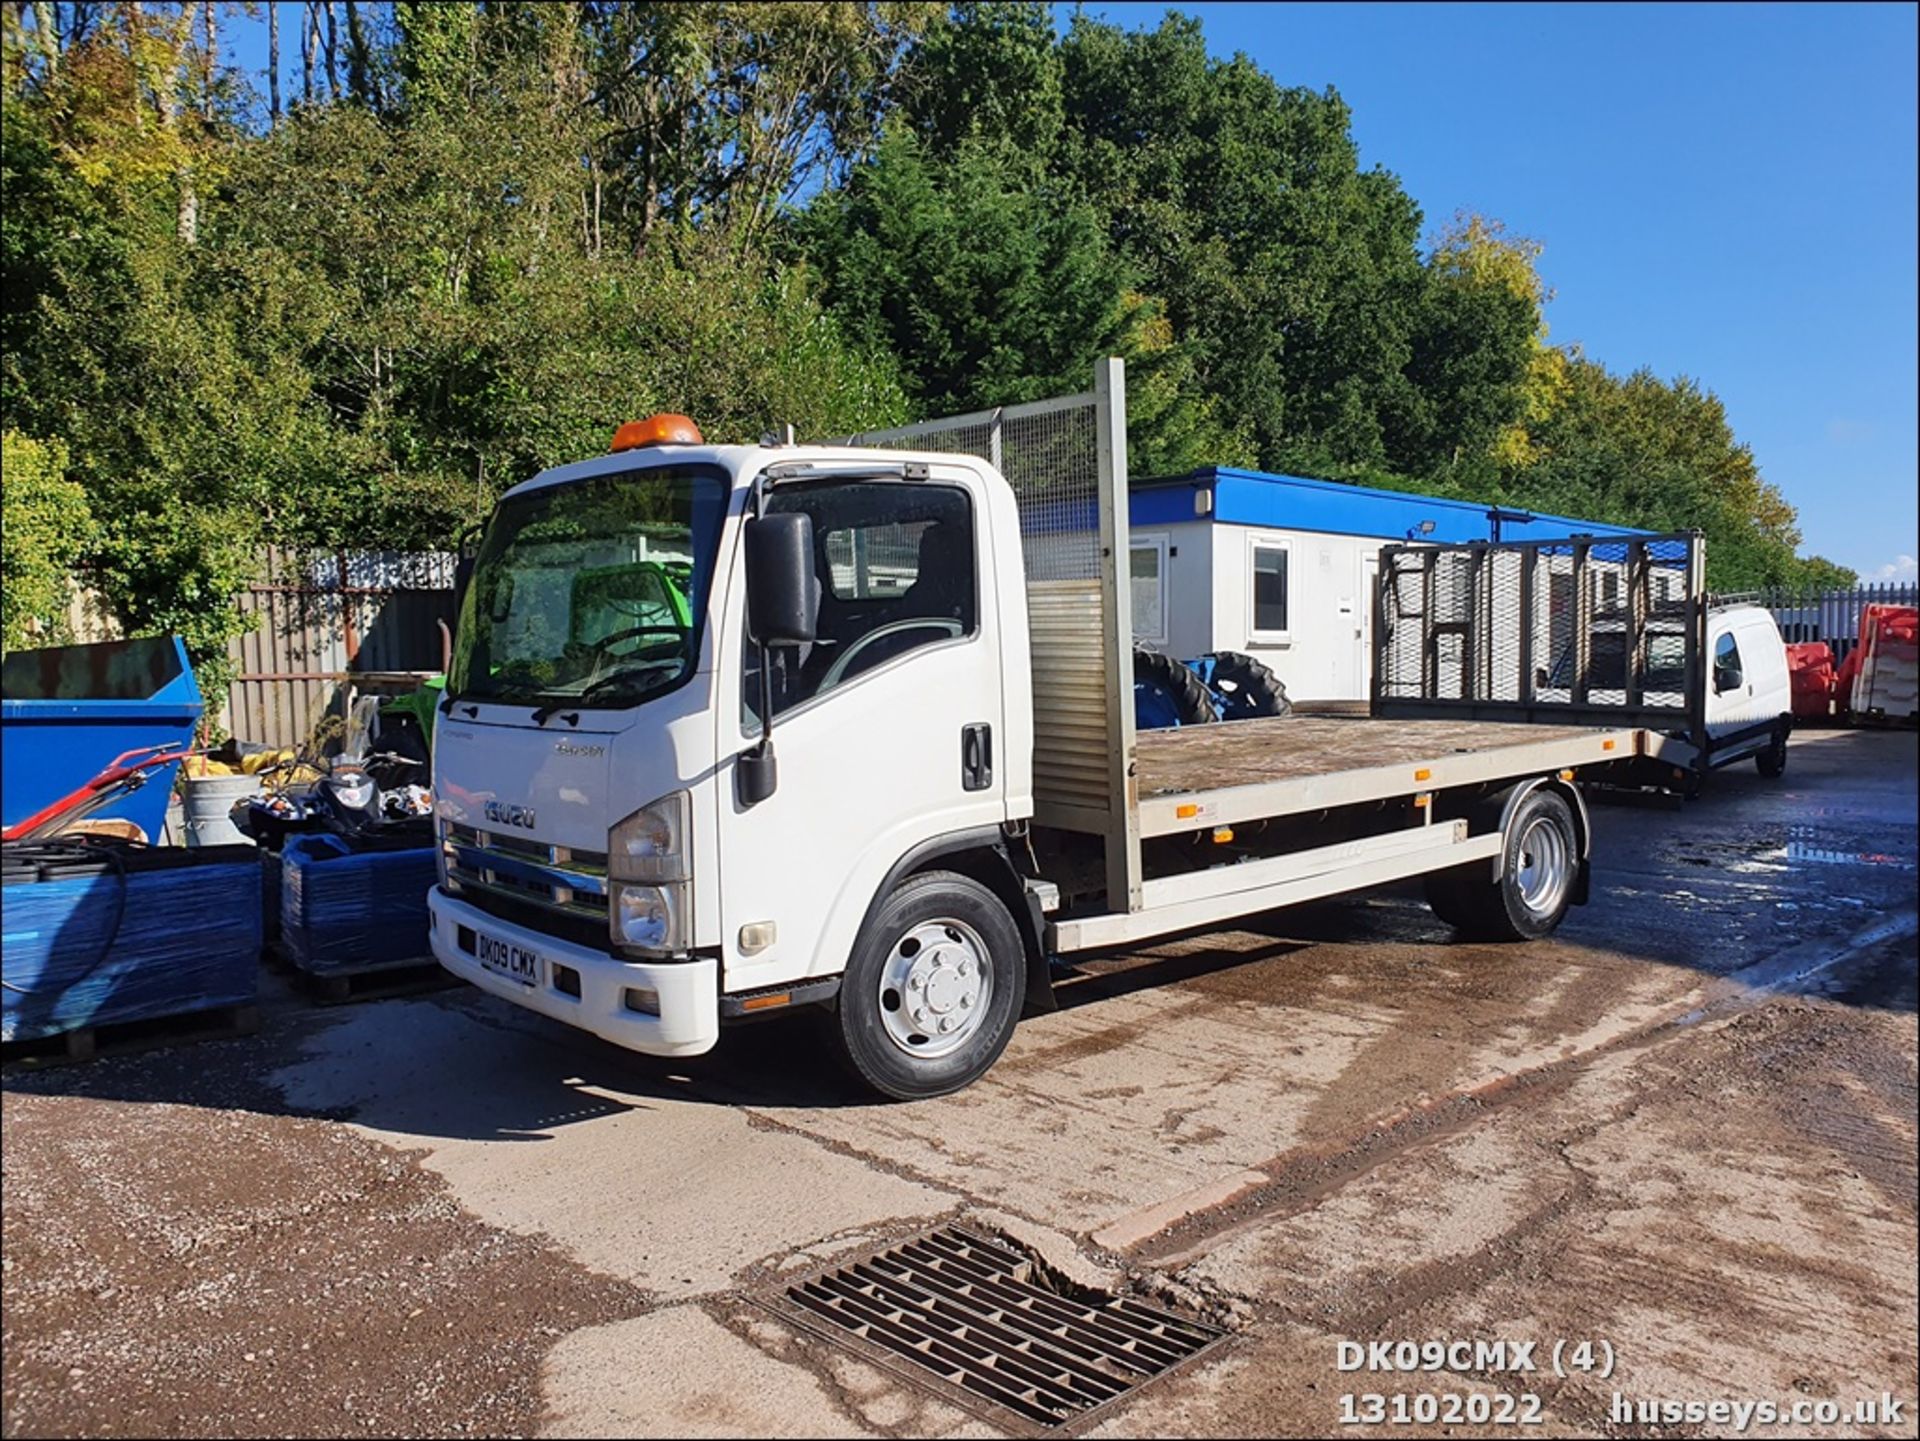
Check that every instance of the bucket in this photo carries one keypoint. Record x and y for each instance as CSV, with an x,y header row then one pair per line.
x,y
208,808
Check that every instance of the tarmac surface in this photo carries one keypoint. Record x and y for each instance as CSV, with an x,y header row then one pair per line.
x,y
1681,1132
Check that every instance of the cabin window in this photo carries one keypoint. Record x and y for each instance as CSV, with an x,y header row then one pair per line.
x,y
1269,590
1147,577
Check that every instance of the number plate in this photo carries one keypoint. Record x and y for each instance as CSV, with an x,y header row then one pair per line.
x,y
504,958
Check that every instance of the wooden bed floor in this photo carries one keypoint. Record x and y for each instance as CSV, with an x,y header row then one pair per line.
x,y
1249,752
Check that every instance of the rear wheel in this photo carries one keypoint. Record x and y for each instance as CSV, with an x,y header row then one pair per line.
x,y
1539,864
1772,762
933,988
1454,896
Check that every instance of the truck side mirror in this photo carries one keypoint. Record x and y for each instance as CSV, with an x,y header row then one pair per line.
x,y
783,596
1726,678
783,608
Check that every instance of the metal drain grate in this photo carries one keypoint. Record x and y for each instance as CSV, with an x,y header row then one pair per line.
x,y
969,1311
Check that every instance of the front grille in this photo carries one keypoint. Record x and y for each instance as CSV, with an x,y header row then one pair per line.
x,y
546,887
975,1314
544,920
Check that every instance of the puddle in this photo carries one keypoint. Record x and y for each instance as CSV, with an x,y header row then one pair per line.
x,y
1802,845
1803,853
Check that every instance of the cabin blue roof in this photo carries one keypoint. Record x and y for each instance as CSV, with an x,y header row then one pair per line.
x,y
1292,502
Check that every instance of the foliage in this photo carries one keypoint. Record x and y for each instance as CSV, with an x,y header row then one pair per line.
x,y
1641,451
44,532
517,224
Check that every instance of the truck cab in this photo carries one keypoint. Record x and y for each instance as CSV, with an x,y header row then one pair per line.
x,y
603,744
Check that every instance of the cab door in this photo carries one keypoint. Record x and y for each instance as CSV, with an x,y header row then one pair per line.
x,y
886,729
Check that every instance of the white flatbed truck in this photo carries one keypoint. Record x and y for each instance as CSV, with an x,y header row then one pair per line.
x,y
959,797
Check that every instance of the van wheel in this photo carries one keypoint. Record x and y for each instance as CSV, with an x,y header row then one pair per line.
x,y
1541,860
932,990
1772,762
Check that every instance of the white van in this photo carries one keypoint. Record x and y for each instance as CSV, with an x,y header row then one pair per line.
x,y
1749,693
1748,707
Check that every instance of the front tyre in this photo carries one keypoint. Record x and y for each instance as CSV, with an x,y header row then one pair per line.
x,y
933,988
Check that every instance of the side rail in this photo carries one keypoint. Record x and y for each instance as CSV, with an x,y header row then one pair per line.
x,y
1586,631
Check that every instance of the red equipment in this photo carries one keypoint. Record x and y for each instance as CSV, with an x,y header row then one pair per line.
x,y
1881,677
1810,669
123,775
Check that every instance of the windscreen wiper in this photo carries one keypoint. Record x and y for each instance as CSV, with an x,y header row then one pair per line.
x,y
607,682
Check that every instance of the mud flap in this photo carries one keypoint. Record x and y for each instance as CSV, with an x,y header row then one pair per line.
x,y
1582,882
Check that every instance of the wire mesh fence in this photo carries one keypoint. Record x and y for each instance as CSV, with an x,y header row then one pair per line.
x,y
1541,629
1049,452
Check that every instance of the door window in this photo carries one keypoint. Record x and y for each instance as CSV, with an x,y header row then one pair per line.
x,y
897,572
1727,671
1147,574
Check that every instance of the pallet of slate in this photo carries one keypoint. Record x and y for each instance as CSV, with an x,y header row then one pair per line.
x,y
356,908
109,940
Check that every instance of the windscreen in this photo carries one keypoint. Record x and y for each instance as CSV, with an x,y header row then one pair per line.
x,y
1607,662
591,592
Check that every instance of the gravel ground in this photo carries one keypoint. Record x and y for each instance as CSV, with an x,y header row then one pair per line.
x,y
204,1268
1685,1126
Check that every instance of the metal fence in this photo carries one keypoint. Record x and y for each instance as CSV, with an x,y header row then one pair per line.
x,y
1829,615
331,622
1576,632
1066,461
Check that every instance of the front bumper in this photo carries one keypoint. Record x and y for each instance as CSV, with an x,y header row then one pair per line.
x,y
689,991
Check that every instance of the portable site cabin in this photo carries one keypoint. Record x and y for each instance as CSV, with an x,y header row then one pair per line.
x,y
1284,568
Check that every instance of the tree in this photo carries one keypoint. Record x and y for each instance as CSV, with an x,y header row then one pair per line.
x,y
45,531
991,71
995,290
723,114
1476,335
1645,452
1292,274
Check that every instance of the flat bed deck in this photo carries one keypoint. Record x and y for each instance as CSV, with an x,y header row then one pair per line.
x,y
1197,776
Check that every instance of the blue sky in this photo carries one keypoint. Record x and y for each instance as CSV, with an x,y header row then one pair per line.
x,y
1724,191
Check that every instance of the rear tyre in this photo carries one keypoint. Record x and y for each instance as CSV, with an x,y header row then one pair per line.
x,y
933,988
1539,865
1454,896
1772,762
1166,693
1248,687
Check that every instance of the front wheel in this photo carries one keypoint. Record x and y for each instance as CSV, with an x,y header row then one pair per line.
x,y
932,990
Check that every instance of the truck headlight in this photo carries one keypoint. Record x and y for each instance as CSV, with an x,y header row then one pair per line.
x,y
651,844
648,876
648,918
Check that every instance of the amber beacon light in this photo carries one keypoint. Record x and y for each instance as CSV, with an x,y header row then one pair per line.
x,y
663,429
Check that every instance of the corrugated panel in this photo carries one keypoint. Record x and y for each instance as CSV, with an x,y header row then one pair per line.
x,y
1070,733
311,633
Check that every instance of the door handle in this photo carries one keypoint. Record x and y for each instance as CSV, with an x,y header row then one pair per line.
x,y
976,756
